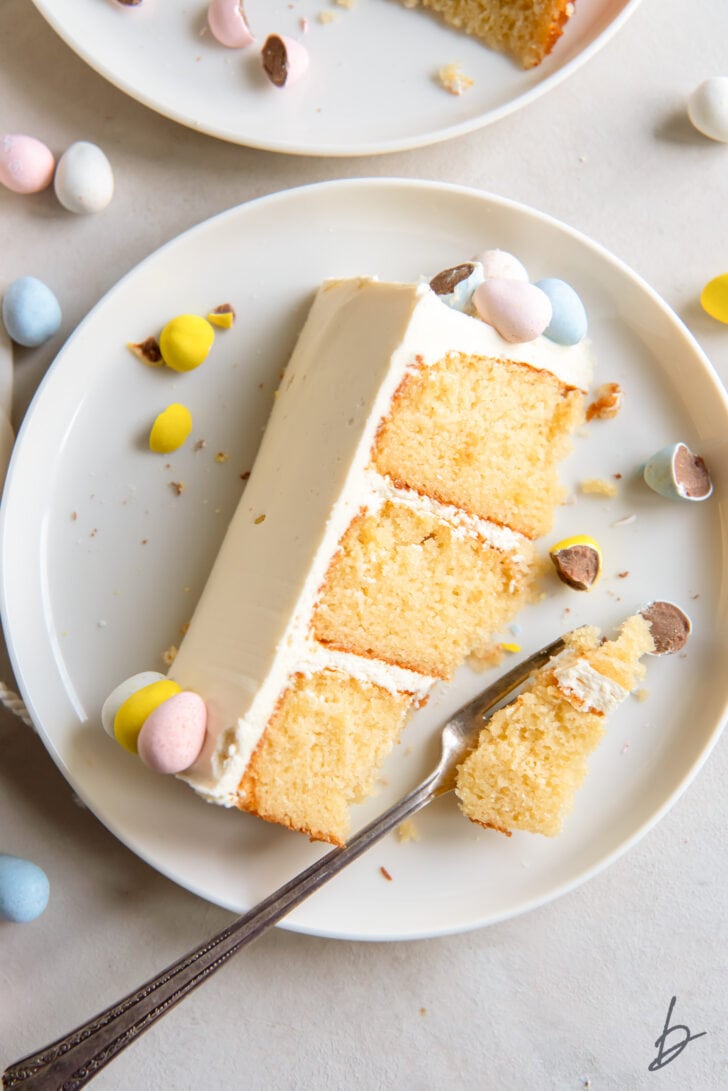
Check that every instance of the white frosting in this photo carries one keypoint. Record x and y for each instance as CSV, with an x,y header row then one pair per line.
x,y
250,632
588,689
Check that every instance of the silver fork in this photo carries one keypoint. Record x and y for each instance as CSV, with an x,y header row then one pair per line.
x,y
71,1061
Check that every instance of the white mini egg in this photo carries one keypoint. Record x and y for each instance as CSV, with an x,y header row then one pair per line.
x,y
84,181
708,108
125,689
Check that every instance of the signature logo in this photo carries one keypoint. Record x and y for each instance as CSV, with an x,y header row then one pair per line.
x,y
666,1053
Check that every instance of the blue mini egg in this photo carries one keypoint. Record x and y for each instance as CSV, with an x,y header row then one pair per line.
x,y
24,889
31,313
568,323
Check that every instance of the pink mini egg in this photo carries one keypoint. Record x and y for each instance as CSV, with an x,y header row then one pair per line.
x,y
227,22
26,165
517,310
172,735
285,60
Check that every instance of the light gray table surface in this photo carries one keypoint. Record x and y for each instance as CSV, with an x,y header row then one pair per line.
x,y
569,996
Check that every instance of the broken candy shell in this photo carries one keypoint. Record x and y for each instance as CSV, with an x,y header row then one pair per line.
x,y
24,889
519,311
670,627
170,429
227,22
568,323
130,718
26,164
125,689
455,286
172,736
223,316
679,474
578,561
285,60
185,342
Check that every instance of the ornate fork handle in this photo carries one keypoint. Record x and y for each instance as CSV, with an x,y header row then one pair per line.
x,y
73,1060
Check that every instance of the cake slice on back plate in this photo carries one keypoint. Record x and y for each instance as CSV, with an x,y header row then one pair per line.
x,y
386,533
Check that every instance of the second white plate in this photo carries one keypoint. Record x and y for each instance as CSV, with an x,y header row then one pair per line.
x,y
102,561
371,86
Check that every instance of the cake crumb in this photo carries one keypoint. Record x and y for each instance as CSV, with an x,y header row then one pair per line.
x,y
607,404
259,520
598,486
178,487
386,874
625,748
348,4
641,694
485,658
200,445
221,456
74,516
144,541
326,17
183,628
407,831
622,575
245,475
169,655
453,79
423,1011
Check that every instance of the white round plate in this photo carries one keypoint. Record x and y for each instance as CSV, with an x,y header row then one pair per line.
x,y
102,561
371,85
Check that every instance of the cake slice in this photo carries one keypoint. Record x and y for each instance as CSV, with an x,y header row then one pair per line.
x,y
527,29
386,532
531,756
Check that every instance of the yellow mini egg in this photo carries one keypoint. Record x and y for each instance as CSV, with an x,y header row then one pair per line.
x,y
578,561
130,718
185,342
714,298
170,429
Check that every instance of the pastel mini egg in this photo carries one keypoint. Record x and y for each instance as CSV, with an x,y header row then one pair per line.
x,y
455,286
26,164
578,561
119,694
228,25
677,473
669,625
501,264
130,718
172,736
24,889
31,312
84,181
714,298
186,341
568,323
170,429
285,60
708,108
517,310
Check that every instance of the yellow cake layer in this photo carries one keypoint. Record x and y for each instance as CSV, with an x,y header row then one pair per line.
x,y
484,434
320,753
410,588
531,756
527,29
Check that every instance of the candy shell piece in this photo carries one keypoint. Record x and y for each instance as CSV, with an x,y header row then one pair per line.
x,y
223,316
31,312
24,889
170,429
708,108
172,736
228,25
26,164
578,561
678,474
125,689
714,298
519,311
130,718
186,341
568,323
285,60
670,627
84,181
501,264
455,286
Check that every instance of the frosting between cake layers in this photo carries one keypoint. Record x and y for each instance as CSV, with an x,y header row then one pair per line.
x,y
588,689
251,630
